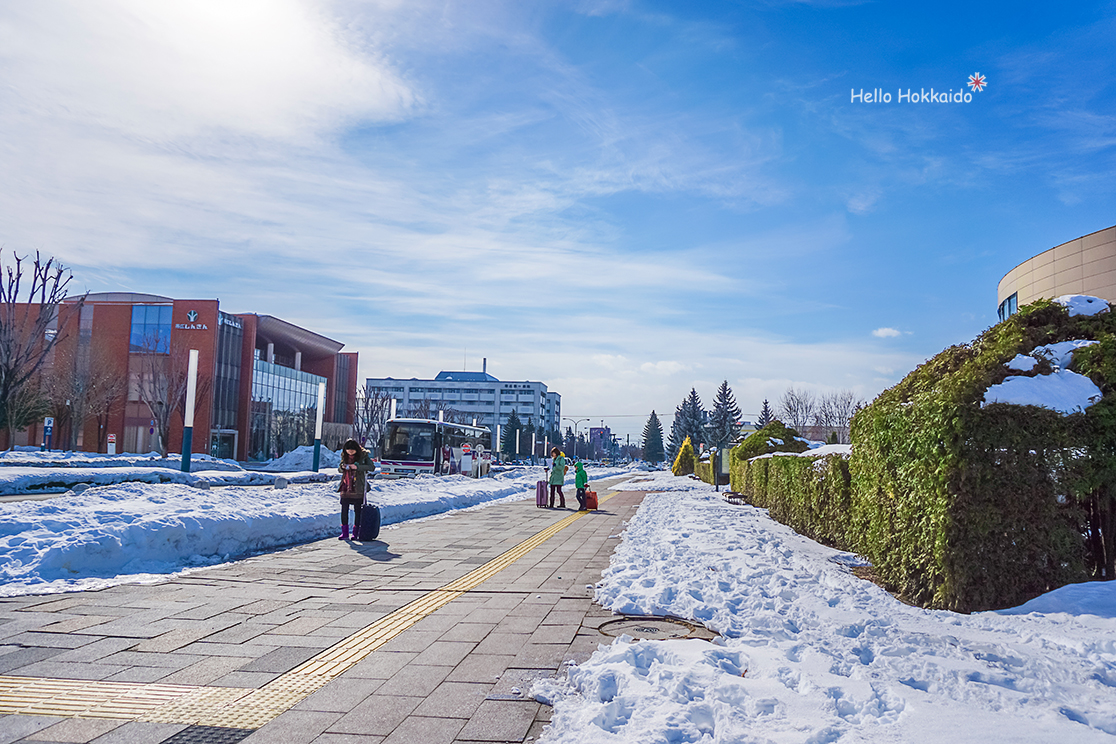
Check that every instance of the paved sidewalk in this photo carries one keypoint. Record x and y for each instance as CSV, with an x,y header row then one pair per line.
x,y
458,674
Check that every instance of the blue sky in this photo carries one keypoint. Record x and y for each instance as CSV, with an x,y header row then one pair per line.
x,y
621,199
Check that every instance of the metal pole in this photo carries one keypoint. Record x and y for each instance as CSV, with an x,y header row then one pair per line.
x,y
318,426
188,414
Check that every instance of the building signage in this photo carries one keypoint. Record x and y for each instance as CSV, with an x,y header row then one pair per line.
x,y
230,320
192,325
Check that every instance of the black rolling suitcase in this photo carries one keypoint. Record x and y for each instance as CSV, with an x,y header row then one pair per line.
x,y
369,523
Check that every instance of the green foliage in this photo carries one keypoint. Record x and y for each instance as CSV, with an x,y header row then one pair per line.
x,y
810,494
967,507
722,428
684,462
653,440
775,437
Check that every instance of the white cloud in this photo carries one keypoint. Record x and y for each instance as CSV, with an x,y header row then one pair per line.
x,y
886,333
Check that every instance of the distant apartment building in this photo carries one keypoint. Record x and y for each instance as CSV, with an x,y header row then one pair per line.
x,y
473,396
1085,265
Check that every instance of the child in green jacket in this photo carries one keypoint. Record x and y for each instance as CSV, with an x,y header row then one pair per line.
x,y
581,482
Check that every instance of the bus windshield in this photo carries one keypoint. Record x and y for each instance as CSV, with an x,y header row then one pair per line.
x,y
409,441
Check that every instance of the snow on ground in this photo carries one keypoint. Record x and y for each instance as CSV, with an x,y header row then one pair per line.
x,y
57,459
140,532
812,654
26,480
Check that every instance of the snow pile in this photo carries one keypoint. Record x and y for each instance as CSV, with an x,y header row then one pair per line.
x,y
1063,391
56,459
819,450
813,654
114,534
1082,304
302,458
21,480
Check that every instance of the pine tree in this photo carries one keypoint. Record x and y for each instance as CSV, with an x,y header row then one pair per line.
x,y
694,419
507,445
653,440
677,431
766,416
722,427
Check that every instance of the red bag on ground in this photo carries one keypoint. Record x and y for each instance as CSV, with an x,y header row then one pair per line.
x,y
591,500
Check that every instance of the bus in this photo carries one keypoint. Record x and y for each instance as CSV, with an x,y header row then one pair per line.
x,y
414,446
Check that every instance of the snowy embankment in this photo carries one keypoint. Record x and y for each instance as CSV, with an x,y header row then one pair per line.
x,y
812,654
26,480
134,531
22,457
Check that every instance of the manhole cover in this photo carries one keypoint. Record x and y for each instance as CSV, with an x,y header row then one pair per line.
x,y
648,628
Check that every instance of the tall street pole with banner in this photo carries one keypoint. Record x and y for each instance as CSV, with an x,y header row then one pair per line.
x,y
188,414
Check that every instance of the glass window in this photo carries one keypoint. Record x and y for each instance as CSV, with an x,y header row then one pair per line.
x,y
151,329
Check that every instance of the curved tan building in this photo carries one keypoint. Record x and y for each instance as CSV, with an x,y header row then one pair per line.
x,y
1086,265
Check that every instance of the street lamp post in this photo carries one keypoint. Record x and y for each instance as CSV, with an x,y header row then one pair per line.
x,y
575,423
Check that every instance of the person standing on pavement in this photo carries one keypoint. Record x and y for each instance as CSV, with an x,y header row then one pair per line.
x,y
557,475
581,482
355,464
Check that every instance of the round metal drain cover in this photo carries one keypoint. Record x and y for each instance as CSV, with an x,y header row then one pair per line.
x,y
648,628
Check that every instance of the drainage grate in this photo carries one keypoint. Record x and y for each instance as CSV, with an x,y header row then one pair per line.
x,y
209,735
650,628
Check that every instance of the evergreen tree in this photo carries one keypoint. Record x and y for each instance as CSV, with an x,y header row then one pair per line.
x,y
766,415
693,420
653,440
677,432
722,427
507,446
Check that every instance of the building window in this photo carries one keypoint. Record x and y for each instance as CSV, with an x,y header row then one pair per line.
x,y
1009,306
151,329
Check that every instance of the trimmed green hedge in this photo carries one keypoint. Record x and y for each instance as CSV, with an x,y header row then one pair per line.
x,y
958,505
809,494
775,437
966,507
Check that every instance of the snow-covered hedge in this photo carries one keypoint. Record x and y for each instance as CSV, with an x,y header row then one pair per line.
x,y
985,478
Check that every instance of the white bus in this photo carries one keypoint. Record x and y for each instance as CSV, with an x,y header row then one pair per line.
x,y
414,446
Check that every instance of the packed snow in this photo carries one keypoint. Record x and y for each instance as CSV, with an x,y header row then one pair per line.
x,y
302,458
132,531
1063,391
809,653
1082,304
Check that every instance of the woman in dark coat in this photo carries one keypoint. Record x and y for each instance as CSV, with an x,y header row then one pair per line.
x,y
355,465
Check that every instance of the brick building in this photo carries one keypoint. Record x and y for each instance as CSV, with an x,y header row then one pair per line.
x,y
258,375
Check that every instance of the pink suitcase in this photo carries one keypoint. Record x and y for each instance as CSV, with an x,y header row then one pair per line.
x,y
540,494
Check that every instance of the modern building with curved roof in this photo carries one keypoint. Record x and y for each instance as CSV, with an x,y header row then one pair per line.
x,y
1085,265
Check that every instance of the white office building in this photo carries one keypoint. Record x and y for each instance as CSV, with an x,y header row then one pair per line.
x,y
474,395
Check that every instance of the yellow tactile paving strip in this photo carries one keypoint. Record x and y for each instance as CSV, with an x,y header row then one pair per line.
x,y
238,707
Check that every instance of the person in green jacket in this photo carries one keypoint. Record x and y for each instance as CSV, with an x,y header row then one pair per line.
x,y
581,482
557,476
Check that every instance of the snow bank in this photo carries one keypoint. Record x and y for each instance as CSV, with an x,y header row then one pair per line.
x,y
1082,304
55,459
818,451
20,480
302,458
135,531
813,654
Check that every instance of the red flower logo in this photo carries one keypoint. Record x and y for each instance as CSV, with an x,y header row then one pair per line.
x,y
977,81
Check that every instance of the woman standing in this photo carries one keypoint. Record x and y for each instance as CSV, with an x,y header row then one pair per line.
x,y
557,476
355,464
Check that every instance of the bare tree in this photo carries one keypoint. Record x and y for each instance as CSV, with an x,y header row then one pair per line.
x,y
373,406
30,326
83,383
421,409
796,408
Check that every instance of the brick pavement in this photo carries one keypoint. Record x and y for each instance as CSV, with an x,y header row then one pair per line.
x,y
460,674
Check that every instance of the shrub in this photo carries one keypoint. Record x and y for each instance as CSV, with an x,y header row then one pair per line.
x,y
775,437
684,462
968,507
